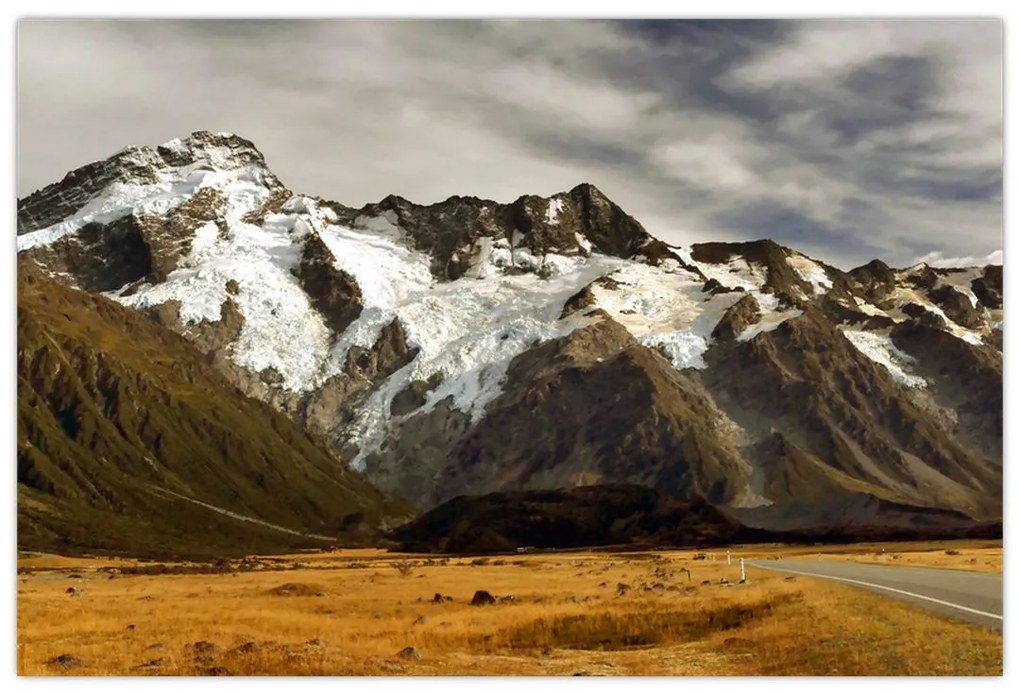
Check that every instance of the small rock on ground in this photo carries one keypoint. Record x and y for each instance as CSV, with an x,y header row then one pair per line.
x,y
482,597
64,661
153,663
205,647
409,653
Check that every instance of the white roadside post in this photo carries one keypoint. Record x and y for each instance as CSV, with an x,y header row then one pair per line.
x,y
728,560
743,577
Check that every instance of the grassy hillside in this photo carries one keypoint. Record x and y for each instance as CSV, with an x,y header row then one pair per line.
x,y
128,441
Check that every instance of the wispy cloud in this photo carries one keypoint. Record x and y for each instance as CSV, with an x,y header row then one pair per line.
x,y
849,140
937,259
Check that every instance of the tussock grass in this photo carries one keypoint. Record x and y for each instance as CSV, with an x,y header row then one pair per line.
x,y
616,631
569,617
296,589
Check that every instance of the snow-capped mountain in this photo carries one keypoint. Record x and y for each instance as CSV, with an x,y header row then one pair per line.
x,y
471,346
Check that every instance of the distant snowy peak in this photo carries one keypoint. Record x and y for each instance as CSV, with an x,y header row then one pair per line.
x,y
456,231
146,180
162,176
765,266
182,220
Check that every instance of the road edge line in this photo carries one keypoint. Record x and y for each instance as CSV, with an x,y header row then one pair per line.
x,y
882,587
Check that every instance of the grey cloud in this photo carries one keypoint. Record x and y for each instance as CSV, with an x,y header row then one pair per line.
x,y
789,226
848,140
937,259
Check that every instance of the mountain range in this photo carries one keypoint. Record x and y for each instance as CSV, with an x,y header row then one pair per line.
x,y
470,347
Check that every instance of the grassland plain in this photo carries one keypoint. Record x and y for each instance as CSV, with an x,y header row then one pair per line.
x,y
367,612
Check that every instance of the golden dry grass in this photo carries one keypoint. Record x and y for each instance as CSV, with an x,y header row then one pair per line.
x,y
352,612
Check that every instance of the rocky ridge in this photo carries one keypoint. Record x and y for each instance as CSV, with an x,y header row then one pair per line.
x,y
471,346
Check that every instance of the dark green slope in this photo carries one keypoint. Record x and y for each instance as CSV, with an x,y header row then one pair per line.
x,y
128,441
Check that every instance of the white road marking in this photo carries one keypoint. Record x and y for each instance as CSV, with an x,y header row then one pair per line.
x,y
961,607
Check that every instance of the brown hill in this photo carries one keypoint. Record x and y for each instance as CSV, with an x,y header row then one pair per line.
x,y
128,441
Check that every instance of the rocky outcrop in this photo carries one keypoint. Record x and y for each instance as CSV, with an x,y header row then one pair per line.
x,y
327,410
584,301
428,437
921,276
131,249
988,287
169,237
212,337
99,257
957,306
874,281
333,292
611,230
273,204
737,318
414,395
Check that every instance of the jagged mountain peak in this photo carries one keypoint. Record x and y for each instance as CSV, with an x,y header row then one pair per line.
x,y
142,179
874,267
455,231
222,150
585,188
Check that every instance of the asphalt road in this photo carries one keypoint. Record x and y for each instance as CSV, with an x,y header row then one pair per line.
x,y
959,594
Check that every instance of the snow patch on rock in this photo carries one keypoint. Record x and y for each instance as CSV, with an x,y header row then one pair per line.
x,y
770,320
552,212
904,295
281,330
173,187
879,347
468,330
811,272
736,273
666,308
582,242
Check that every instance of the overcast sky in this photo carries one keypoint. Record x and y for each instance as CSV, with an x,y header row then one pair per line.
x,y
846,140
